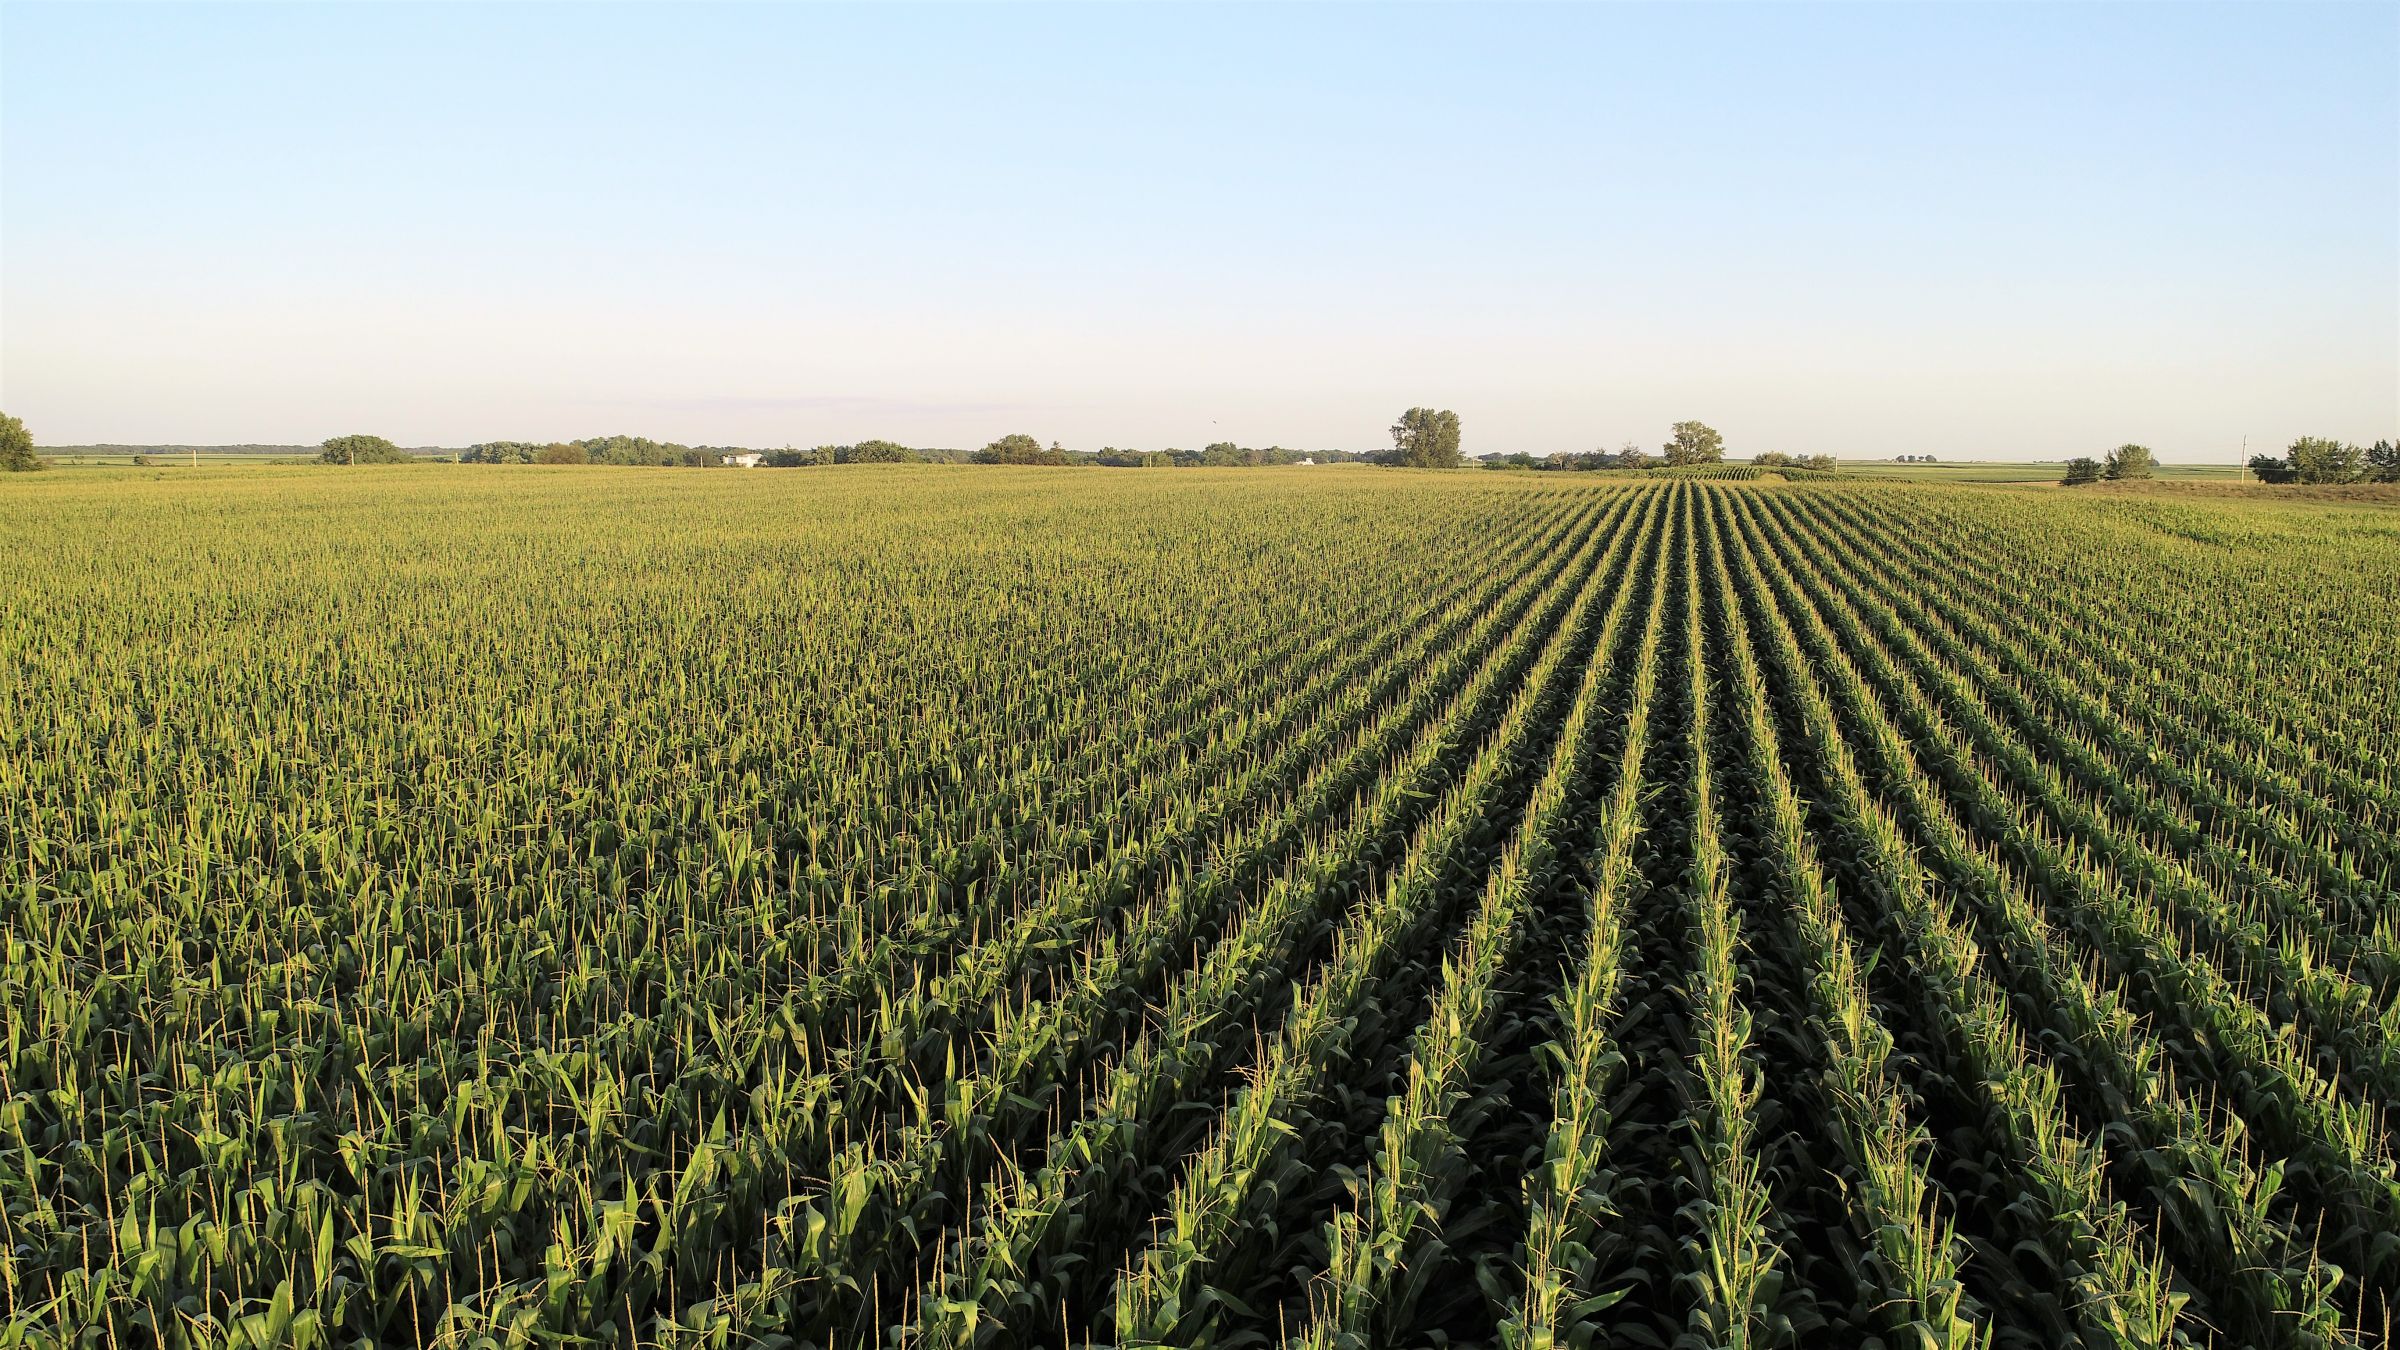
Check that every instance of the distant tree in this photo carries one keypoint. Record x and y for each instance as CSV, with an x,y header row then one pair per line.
x,y
2082,470
1926,459
1519,460
1821,463
634,450
1017,449
2272,469
1694,443
1630,456
1222,455
1772,459
2317,459
563,452
16,447
2383,462
879,452
2129,461
361,450
1427,438
500,452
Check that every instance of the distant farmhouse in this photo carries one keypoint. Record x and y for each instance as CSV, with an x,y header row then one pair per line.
x,y
748,460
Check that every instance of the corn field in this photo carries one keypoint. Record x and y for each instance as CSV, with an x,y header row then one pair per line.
x,y
922,907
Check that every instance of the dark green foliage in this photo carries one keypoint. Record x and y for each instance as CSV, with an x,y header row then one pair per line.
x,y
2319,459
2083,469
638,451
1586,461
16,447
634,450
500,452
1427,438
1019,448
361,450
1690,443
2273,469
1776,459
2325,461
876,452
2129,462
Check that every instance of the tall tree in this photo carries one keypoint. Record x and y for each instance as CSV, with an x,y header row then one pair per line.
x,y
2130,461
1630,456
16,447
2081,470
1427,438
2318,459
2383,462
1694,443
361,450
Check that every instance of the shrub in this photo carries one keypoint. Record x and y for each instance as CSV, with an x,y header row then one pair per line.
x,y
2130,461
361,450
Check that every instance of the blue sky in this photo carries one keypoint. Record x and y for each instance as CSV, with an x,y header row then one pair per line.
x,y
2006,231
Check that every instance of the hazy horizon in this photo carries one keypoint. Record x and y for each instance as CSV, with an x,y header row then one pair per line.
x,y
1980,232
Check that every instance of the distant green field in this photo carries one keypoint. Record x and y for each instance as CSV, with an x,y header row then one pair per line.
x,y
2034,471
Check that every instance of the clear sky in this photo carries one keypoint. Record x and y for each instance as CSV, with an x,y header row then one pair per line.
x,y
2005,231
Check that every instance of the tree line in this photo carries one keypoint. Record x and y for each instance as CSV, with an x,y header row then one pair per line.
x,y
2320,459
1016,448
1688,445
1422,438
2311,459
2127,462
